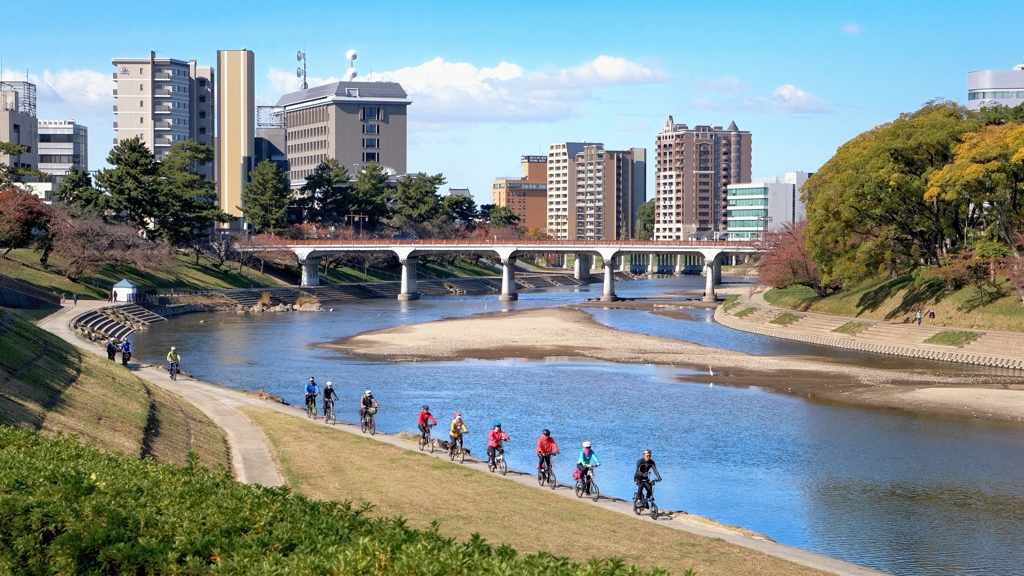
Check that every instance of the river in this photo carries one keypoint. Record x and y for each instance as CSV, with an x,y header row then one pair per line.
x,y
906,494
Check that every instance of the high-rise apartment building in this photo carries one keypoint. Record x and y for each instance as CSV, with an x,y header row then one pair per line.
x,y
157,102
593,193
63,144
18,123
203,107
236,127
357,123
694,166
527,196
990,87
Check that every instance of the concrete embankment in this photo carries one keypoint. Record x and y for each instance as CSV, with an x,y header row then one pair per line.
x,y
750,313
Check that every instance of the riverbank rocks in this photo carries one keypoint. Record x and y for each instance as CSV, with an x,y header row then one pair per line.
x,y
310,307
261,308
264,396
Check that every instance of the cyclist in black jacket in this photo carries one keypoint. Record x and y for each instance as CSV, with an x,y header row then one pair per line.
x,y
329,396
644,467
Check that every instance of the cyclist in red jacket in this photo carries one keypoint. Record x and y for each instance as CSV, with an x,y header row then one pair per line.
x,y
546,447
425,417
494,438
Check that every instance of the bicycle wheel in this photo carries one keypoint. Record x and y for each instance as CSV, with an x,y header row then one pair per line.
x,y
594,492
579,489
462,454
542,476
174,373
638,506
362,424
552,481
502,466
451,454
372,426
423,444
430,442
654,511
330,416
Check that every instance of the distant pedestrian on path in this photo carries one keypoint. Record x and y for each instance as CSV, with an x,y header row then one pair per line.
x,y
919,316
931,317
75,298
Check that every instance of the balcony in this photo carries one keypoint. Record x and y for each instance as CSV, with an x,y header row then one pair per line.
x,y
161,92
161,109
162,125
162,76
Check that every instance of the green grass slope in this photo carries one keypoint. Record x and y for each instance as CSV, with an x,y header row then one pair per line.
x,y
899,300
50,386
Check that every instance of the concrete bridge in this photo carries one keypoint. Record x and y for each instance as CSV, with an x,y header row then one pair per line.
x,y
309,253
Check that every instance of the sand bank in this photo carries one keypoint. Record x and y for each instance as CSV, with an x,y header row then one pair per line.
x,y
569,333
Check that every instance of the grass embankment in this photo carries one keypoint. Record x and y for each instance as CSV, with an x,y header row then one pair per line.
x,y
952,338
746,311
49,385
786,318
69,509
464,501
900,299
181,273
852,327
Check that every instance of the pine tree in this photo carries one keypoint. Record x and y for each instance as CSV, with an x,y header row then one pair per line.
x,y
265,199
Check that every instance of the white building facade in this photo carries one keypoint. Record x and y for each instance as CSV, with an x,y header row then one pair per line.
x,y
991,87
63,144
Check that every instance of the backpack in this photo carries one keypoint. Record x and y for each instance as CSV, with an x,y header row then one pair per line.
x,y
446,445
576,474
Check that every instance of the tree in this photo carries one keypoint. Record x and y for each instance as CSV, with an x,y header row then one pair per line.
x,y
23,218
460,209
418,200
189,201
502,217
370,195
1000,114
133,187
77,188
265,199
10,175
644,229
785,260
84,242
327,198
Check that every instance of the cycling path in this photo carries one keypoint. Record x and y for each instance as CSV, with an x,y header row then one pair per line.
x,y
989,348
253,461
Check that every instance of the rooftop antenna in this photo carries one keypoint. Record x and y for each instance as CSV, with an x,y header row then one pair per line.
x,y
301,72
351,73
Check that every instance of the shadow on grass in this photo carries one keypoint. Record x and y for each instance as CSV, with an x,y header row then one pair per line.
x,y
915,296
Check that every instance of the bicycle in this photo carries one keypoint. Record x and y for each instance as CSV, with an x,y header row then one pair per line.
x,y
172,367
546,474
639,504
457,451
310,405
498,464
586,485
329,412
367,423
425,441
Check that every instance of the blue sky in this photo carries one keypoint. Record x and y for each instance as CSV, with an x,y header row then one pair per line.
x,y
490,83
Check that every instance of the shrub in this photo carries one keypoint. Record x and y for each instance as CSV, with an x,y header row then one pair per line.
x,y
306,298
70,509
265,299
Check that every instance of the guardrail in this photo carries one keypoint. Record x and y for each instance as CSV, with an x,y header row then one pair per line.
x,y
518,243
29,290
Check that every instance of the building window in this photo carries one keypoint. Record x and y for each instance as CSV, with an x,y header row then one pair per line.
x,y
371,129
140,88
371,113
371,157
140,103
202,130
202,99
371,143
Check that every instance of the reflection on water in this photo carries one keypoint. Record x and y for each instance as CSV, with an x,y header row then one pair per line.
x,y
905,494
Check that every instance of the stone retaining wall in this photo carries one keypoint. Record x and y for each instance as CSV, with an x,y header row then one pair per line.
x,y
953,355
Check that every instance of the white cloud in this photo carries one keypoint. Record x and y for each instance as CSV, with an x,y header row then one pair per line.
x,y
789,99
70,93
852,29
285,82
634,127
727,85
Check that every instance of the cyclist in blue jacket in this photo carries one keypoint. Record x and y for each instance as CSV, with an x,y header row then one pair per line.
x,y
312,391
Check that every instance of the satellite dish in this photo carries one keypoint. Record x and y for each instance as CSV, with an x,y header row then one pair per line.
x,y
299,56
298,72
352,55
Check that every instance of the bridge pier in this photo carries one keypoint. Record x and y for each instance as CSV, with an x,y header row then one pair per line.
x,y
609,282
712,270
581,269
652,267
679,265
310,270
410,291
508,280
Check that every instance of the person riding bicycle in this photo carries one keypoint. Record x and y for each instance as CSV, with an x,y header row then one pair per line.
x,y
546,447
312,391
425,420
329,396
642,478
587,460
494,439
126,351
173,359
456,430
366,402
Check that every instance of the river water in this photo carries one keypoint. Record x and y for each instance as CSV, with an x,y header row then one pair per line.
x,y
901,493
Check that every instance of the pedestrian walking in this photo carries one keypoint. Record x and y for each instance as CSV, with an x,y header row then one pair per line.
x,y
931,317
920,314
74,298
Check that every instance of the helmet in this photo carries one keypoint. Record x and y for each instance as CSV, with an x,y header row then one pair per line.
x,y
547,432
367,392
586,444
497,424
310,378
426,408
458,415
173,348
328,385
647,451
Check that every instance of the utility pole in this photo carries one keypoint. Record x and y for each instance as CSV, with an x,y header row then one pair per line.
x,y
351,218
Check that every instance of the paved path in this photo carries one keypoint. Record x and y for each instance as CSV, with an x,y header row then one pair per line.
x,y
989,348
253,461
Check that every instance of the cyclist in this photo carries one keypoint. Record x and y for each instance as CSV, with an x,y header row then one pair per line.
x,y
312,391
642,478
366,402
494,439
329,396
172,360
425,420
456,430
546,447
587,460
126,351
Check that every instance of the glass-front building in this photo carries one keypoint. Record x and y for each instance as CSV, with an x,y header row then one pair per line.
x,y
754,208
62,144
991,87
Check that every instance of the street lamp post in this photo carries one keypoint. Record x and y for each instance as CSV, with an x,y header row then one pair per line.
x,y
352,218
765,220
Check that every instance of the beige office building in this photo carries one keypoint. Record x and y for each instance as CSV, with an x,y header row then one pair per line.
x,y
526,196
357,123
593,193
236,127
18,123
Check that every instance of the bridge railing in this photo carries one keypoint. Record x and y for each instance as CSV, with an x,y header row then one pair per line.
x,y
539,243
